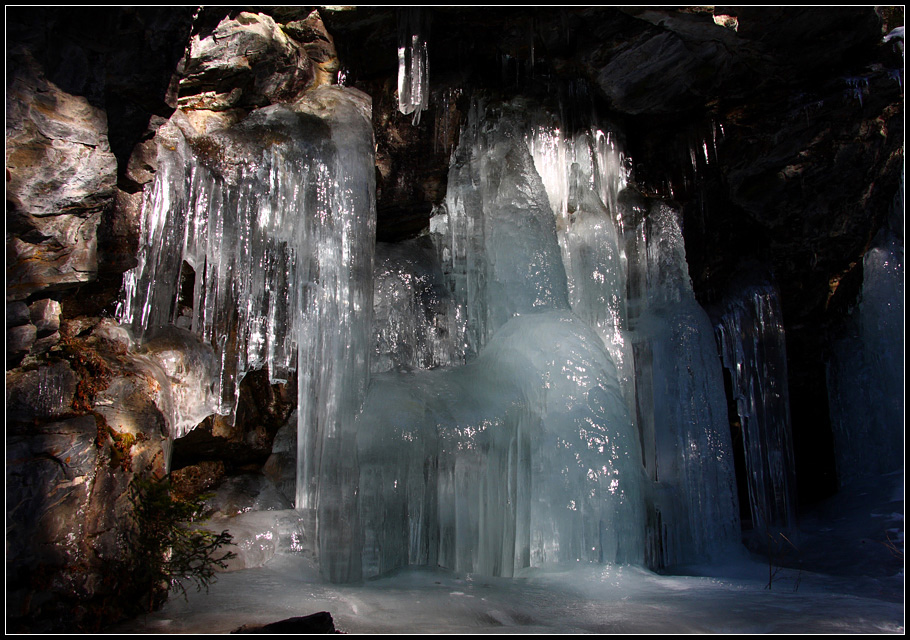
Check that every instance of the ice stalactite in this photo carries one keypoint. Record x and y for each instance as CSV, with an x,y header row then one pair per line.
x,y
751,339
413,63
271,225
866,367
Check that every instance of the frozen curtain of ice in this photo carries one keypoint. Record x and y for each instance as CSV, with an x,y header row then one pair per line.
x,y
533,382
866,367
259,241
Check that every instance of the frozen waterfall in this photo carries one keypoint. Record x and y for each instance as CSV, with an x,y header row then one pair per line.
x,y
563,438
271,225
525,455
532,383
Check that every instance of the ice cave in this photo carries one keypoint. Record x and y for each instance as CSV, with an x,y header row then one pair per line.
x,y
457,320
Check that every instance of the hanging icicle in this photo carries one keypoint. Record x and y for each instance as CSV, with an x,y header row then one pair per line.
x,y
413,63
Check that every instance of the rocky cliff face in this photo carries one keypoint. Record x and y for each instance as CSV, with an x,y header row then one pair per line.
x,y
779,132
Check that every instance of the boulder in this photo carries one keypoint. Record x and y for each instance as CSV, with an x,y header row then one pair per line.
x,y
248,62
19,341
45,315
60,176
46,392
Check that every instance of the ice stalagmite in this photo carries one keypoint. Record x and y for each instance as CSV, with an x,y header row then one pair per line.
x,y
271,225
693,512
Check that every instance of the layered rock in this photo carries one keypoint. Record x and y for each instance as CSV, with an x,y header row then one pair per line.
x,y
61,175
80,427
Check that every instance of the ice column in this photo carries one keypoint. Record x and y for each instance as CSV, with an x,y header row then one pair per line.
x,y
682,415
583,175
753,348
628,280
496,235
866,367
413,63
271,225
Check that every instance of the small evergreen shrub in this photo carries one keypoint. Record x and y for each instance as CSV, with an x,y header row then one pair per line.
x,y
168,551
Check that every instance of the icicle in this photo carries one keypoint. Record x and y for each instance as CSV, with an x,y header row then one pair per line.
x,y
280,244
413,64
898,35
857,88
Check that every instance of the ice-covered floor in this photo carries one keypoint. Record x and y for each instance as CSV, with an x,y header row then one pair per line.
x,y
849,583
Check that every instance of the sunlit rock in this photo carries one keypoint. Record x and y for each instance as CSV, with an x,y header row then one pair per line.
x,y
60,175
248,61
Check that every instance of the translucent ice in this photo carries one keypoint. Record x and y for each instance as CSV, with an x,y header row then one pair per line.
x,y
526,455
680,399
497,234
416,324
523,457
628,280
261,238
866,367
583,175
413,63
751,337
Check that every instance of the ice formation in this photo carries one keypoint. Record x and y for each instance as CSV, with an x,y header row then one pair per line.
x,y
526,455
628,279
416,324
753,347
545,388
271,225
413,63
560,440
681,402
866,366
